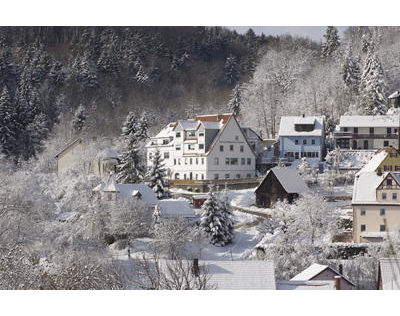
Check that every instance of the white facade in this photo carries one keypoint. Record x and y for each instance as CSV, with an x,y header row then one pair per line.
x,y
205,148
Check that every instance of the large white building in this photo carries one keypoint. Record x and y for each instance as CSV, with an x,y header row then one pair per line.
x,y
207,147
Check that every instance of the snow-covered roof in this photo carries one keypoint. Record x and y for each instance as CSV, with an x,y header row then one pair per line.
x,y
289,179
128,190
395,94
241,274
374,235
176,208
287,125
305,285
211,125
365,184
390,273
355,159
314,270
369,121
111,185
374,163
309,273
188,124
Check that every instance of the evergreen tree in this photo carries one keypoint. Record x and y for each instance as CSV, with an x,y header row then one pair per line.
x,y
373,100
213,221
156,175
79,119
7,124
332,43
143,128
227,211
235,104
351,71
231,70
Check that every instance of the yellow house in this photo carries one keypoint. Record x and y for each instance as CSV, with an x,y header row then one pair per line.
x,y
385,160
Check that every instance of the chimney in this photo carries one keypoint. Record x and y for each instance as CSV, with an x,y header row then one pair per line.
x,y
341,269
196,270
337,282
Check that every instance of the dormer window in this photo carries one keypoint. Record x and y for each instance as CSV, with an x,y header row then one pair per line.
x,y
201,134
178,134
303,127
191,134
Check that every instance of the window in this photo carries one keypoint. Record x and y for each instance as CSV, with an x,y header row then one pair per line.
x,y
385,143
191,146
397,168
393,155
386,168
174,161
382,228
191,134
178,134
201,146
177,176
304,141
363,228
109,197
371,130
344,129
243,161
216,176
389,130
394,196
389,182
382,212
362,212
216,161
249,161
313,141
383,196
234,161
238,175
221,148
355,130
150,155
248,175
241,148
296,141
201,134
179,161
190,161
177,147
197,161
185,161
227,176
165,141
202,161
197,176
184,176
166,155
231,147
236,137
227,161
202,176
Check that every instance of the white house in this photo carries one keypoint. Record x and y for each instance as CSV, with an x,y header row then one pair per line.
x,y
367,131
302,136
113,191
205,148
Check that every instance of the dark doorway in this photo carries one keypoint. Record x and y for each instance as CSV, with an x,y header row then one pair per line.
x,y
365,144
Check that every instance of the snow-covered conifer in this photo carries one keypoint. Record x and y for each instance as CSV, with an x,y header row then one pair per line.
x,y
227,211
7,123
79,119
231,70
129,170
332,43
156,176
351,71
235,103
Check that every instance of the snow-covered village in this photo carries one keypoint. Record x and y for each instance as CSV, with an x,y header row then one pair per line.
x,y
199,158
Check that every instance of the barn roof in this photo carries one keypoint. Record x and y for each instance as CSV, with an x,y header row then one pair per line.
x,y
289,179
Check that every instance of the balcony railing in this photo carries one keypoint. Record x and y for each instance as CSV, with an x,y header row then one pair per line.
x,y
361,136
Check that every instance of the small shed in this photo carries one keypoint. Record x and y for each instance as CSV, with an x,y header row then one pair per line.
x,y
174,208
279,184
198,200
320,272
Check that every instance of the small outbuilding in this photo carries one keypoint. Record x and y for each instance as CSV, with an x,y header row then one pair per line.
x,y
279,184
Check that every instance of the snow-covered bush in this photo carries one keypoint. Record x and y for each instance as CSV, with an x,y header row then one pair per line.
x,y
308,174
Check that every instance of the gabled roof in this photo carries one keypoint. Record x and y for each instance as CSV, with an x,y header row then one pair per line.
x,y
375,162
289,179
369,121
287,125
389,273
188,125
314,270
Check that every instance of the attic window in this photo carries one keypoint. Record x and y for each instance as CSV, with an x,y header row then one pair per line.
x,y
201,134
389,182
303,127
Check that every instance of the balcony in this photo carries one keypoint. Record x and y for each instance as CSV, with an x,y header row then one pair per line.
x,y
364,136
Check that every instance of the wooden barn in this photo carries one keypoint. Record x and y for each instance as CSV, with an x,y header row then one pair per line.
x,y
279,184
